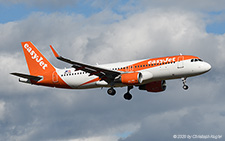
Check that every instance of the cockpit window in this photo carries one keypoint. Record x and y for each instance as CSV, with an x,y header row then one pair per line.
x,y
196,60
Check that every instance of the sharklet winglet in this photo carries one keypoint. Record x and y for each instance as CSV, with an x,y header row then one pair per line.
x,y
54,52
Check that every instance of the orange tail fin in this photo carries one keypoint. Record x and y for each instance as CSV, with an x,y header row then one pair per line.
x,y
37,63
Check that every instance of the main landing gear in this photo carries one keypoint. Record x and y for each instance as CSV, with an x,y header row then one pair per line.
x,y
127,95
111,91
185,87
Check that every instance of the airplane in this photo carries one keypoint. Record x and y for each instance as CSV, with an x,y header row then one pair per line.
x,y
147,74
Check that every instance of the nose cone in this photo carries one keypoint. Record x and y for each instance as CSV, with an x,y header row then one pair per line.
x,y
206,67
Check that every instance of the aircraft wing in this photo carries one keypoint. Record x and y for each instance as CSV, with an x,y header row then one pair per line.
x,y
103,73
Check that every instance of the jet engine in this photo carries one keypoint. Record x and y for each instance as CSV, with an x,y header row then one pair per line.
x,y
156,86
131,78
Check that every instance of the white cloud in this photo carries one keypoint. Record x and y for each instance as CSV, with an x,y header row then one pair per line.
x,y
14,62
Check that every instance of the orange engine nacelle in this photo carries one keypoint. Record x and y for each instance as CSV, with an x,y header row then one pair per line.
x,y
157,86
131,78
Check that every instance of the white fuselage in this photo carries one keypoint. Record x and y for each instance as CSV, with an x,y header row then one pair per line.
x,y
185,68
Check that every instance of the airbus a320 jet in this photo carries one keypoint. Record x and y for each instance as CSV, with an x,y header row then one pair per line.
x,y
148,74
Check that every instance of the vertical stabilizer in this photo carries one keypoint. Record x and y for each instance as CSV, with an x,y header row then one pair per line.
x,y
37,63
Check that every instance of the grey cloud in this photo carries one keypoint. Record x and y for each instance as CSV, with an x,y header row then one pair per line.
x,y
184,113
190,121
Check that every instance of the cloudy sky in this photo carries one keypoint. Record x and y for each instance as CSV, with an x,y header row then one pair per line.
x,y
105,31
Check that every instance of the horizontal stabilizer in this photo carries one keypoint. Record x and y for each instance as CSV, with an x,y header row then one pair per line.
x,y
29,77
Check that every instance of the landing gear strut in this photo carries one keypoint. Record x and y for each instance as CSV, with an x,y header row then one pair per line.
x,y
127,95
185,87
111,91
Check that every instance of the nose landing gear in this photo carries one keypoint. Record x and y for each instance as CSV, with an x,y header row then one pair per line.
x,y
185,87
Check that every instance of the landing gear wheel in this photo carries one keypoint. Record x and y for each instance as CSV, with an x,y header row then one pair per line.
x,y
111,91
127,96
185,87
